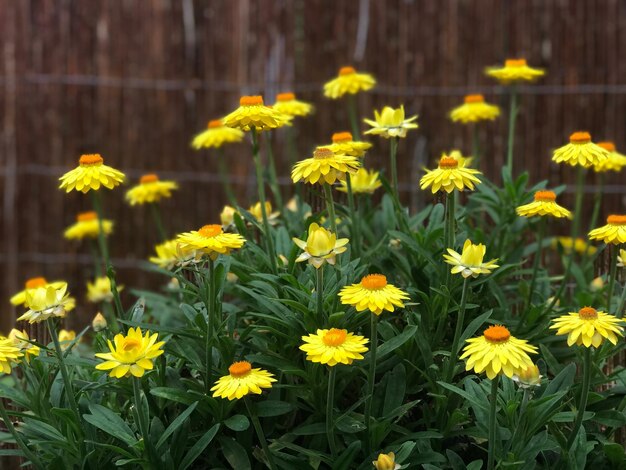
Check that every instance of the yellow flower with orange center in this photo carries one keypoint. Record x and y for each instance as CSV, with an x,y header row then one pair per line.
x,y
450,176
363,182
474,109
334,346
87,226
544,204
390,123
464,162
242,380
90,174
615,162
613,232
216,135
588,327
514,70
132,354
211,240
321,246
287,103
253,114
150,189
580,151
344,145
171,254
373,293
348,81
324,167
33,283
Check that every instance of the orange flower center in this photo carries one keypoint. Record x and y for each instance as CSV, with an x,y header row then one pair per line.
x,y
215,123
335,337
545,196
35,282
515,63
616,219
346,70
239,369
588,313
86,216
251,101
448,163
497,334
131,344
90,159
210,231
374,281
323,153
608,146
149,178
474,99
580,138
342,137
285,97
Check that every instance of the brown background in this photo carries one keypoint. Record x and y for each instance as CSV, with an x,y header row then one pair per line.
x,y
135,79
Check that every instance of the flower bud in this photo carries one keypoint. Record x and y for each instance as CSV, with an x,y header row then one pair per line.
x,y
99,323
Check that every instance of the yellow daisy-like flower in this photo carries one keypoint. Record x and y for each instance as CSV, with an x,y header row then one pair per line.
x,y
252,113
613,232
227,216
21,341
450,176
321,246
46,302
348,81
588,327
333,347
615,162
211,240
363,182
87,226
9,354
324,167
131,354
621,258
256,211
470,261
242,380
91,173
544,204
33,283
386,462
171,253
578,245
344,145
150,189
216,135
580,151
373,293
99,323
497,352
474,109
528,378
514,70
66,337
464,162
390,123
287,103
100,290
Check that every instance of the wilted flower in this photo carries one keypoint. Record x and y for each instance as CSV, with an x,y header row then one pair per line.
x,y
227,216
596,284
348,81
91,173
257,213
391,123
321,246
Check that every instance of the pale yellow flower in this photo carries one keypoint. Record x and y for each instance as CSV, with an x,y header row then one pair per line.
x,y
470,261
390,123
363,182
321,246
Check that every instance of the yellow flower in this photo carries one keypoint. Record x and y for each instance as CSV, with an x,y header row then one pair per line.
x,y
131,354
21,341
216,135
242,380
580,151
91,173
150,189
66,337
256,212
614,232
449,176
211,240
348,81
252,113
100,290
497,352
597,284
344,145
363,181
588,327
391,123
470,262
528,378
615,162
373,294
33,283
464,162
474,109
9,354
578,245
386,462
321,246
544,204
287,103
333,347
227,216
46,302
514,70
621,258
324,167
87,226
99,323
171,253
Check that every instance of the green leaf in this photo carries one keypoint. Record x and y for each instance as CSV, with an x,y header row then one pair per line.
x,y
237,423
235,454
174,425
474,325
395,342
476,401
396,388
173,394
111,423
266,409
310,429
562,382
346,460
347,424
198,447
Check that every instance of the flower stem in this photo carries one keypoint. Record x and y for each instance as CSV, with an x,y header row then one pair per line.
x,y
274,186
259,432
158,221
331,207
580,177
142,419
353,117
354,219
597,200
612,276
511,139
492,422
475,146
330,425
540,234
619,313
319,289
210,307
225,177
371,378
454,351
32,456
584,394
393,151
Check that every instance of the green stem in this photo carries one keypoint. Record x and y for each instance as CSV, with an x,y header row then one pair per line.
x,y
142,418
393,151
475,146
93,246
330,425
584,394
158,221
580,178
511,139
540,234
274,186
559,292
448,237
612,276
319,289
354,220
18,439
597,200
493,403
331,207
371,378
620,306
225,177
454,351
353,117
210,308
259,432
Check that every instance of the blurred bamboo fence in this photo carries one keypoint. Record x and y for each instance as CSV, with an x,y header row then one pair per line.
x,y
135,79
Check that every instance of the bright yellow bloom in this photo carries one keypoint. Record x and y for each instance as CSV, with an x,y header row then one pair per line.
x,y
46,302
9,354
227,216
87,226
528,378
211,240
216,135
252,113
449,176
497,352
333,347
99,323
21,341
613,232
344,145
391,123
470,261
321,246
474,109
324,167
615,162
464,162
621,258
373,293
33,283
171,253
544,204
91,173
131,354
242,380
150,189
257,213
578,245
100,290
287,103
588,327
348,81
580,151
386,462
66,337
514,70
363,182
